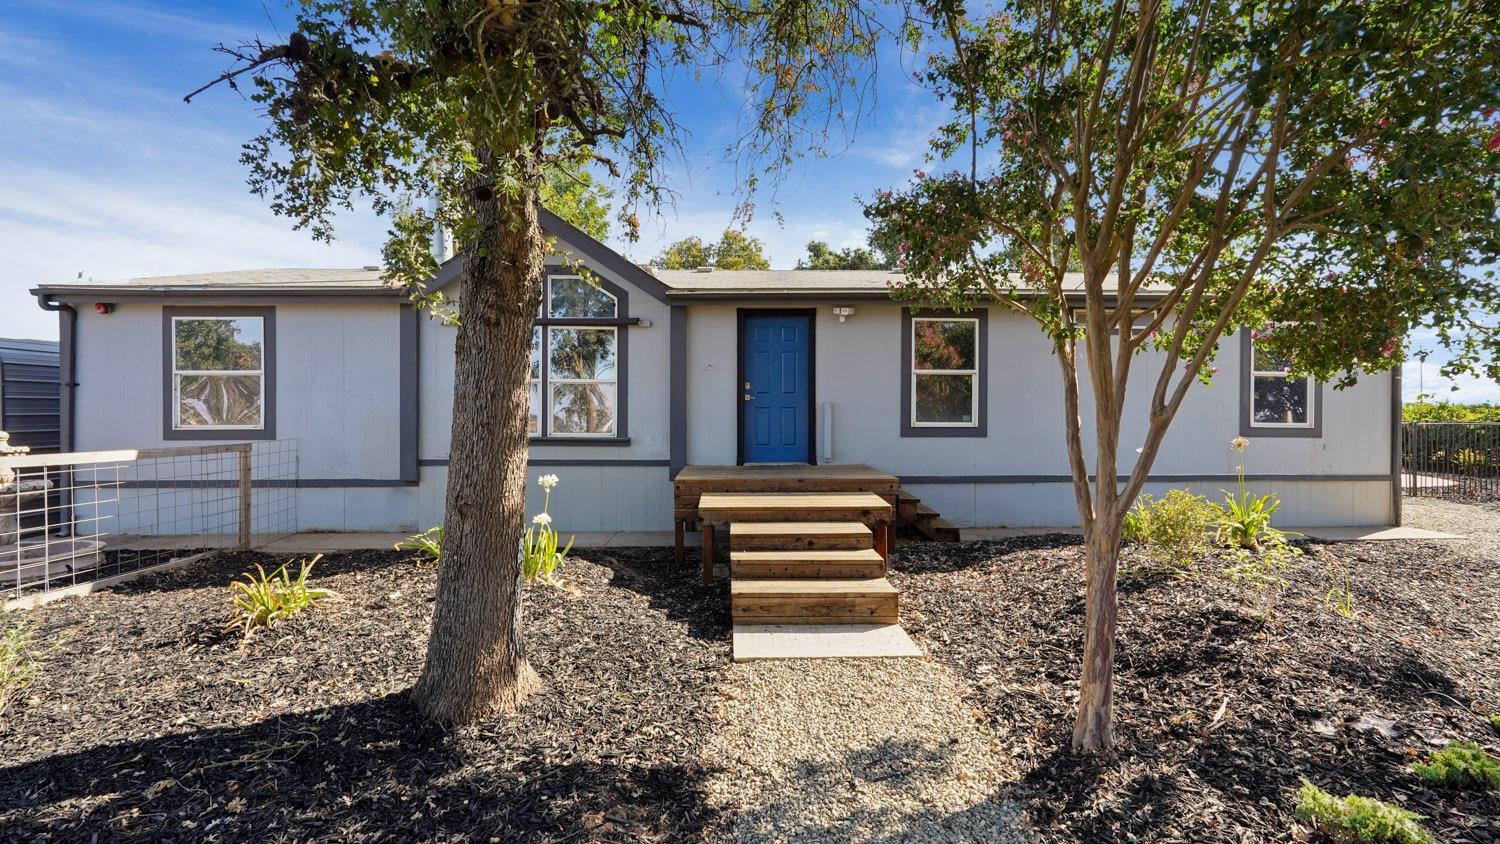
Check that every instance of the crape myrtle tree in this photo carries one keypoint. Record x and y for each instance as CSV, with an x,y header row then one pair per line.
x,y
473,102
1323,174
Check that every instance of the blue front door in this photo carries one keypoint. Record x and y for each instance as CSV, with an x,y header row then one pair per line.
x,y
776,399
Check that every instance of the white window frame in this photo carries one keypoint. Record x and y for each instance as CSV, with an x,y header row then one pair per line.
x,y
177,375
1312,404
552,382
548,323
973,374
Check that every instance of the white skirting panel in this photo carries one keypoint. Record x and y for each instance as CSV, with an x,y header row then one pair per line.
x,y
1303,503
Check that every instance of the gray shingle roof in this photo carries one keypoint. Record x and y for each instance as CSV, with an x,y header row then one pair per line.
x,y
299,278
798,282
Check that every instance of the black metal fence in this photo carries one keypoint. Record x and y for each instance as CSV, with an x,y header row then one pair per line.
x,y
1457,459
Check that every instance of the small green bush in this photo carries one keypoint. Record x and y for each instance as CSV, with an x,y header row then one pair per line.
x,y
1462,765
1495,723
1362,819
1176,530
19,656
263,601
428,543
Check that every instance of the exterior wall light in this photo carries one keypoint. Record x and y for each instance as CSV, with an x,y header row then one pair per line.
x,y
843,312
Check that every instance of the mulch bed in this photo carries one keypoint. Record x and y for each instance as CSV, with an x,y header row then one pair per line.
x,y
151,723
1221,711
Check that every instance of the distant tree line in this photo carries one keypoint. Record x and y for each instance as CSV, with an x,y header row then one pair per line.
x,y
1447,411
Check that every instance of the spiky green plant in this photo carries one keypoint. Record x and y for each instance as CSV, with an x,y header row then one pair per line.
x,y
20,657
428,543
1462,765
262,600
1361,819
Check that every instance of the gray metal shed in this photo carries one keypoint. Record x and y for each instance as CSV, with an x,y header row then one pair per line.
x,y
30,393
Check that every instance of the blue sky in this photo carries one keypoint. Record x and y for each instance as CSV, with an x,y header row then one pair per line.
x,y
108,174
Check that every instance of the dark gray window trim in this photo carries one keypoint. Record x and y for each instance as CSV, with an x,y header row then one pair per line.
x,y
569,461
268,431
982,428
622,324
1246,381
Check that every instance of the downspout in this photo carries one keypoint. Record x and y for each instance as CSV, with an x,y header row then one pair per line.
x,y
67,337
1396,431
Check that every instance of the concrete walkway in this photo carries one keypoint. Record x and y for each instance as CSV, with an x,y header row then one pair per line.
x,y
1328,534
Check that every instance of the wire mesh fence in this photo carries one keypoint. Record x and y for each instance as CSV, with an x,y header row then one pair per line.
x,y
1451,459
81,517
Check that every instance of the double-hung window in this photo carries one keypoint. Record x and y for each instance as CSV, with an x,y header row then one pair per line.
x,y
1275,402
219,366
943,381
575,366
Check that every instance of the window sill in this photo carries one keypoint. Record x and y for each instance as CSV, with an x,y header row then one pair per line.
x,y
908,430
579,440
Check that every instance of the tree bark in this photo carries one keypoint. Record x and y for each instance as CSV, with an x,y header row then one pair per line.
x,y
1094,729
476,656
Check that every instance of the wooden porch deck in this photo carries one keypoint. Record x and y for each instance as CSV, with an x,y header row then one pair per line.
x,y
693,481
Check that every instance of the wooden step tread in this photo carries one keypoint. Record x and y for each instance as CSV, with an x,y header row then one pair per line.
x,y
791,501
871,587
764,529
924,510
860,555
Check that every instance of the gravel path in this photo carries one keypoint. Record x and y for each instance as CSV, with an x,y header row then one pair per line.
x,y
1479,525
856,750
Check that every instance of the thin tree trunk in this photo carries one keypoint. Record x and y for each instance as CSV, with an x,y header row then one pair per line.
x,y
476,656
1094,729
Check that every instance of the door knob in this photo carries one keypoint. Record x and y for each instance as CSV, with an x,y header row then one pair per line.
x,y
749,398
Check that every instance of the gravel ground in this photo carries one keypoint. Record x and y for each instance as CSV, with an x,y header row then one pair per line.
x,y
1479,525
851,750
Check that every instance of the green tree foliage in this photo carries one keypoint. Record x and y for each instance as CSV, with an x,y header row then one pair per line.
x,y
471,102
821,256
1324,174
734,250
570,192
1445,411
689,253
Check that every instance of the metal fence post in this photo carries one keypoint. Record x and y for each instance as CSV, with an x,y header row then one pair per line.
x,y
245,491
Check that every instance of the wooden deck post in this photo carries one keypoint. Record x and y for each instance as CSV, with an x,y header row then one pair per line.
x,y
679,543
245,496
883,540
707,577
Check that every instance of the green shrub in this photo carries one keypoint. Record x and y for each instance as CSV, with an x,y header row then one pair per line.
x,y
1362,819
1462,765
428,543
1495,723
265,600
20,658
1469,459
1176,530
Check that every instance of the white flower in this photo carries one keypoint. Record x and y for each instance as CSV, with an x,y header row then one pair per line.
x,y
541,519
547,481
1238,443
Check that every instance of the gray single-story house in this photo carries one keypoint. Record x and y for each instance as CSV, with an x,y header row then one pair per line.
x,y
654,370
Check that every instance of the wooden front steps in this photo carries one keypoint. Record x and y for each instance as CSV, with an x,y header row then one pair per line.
x,y
860,564
787,536
800,601
912,513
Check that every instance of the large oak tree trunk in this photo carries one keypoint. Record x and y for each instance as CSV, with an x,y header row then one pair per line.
x,y
476,656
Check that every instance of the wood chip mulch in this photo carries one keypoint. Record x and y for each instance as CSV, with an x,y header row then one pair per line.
x,y
150,723
1221,709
